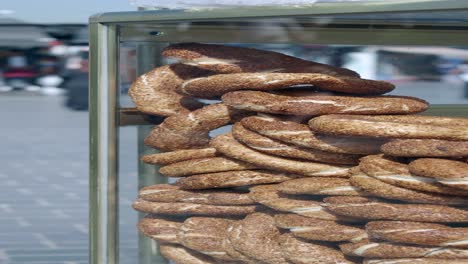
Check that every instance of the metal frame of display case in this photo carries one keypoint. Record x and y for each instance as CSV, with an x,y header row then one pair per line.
x,y
106,116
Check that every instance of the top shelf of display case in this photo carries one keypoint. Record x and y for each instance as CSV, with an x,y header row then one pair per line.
x,y
414,11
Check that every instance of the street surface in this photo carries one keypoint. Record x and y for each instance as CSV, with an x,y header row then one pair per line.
x,y
44,183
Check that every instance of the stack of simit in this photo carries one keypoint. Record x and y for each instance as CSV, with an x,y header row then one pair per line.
x,y
318,166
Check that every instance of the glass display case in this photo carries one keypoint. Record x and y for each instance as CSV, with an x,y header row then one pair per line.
x,y
305,160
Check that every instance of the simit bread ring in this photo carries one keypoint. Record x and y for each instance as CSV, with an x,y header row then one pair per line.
x,y
319,186
257,237
232,179
301,135
233,230
277,148
190,129
269,196
426,148
191,208
379,188
373,209
392,126
155,92
415,261
182,255
167,193
448,172
160,229
286,118
216,85
166,158
389,250
320,230
313,103
205,165
228,59
392,171
206,235
298,251
227,145
426,234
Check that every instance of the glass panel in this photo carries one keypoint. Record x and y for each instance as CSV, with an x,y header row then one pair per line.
x,y
423,57
320,30
433,73
128,186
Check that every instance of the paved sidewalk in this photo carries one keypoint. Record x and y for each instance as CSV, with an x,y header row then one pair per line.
x,y
44,183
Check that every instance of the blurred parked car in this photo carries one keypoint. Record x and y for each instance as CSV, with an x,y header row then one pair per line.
x,y
18,44
17,72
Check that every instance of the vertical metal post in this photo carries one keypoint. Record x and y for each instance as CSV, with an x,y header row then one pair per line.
x,y
148,58
103,194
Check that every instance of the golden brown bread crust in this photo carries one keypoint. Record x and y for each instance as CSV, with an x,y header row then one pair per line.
x,y
240,59
160,229
277,148
206,235
392,171
233,231
319,230
257,237
201,234
269,196
373,209
439,168
301,135
426,148
389,250
190,208
320,104
217,85
426,234
188,130
205,165
379,188
392,126
227,145
320,186
166,158
232,179
155,91
376,165
451,173
286,118
298,251
182,255
167,193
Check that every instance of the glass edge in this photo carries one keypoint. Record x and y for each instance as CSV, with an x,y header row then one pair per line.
x,y
257,12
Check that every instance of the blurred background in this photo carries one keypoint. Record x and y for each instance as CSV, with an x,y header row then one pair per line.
x,y
44,119
44,133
